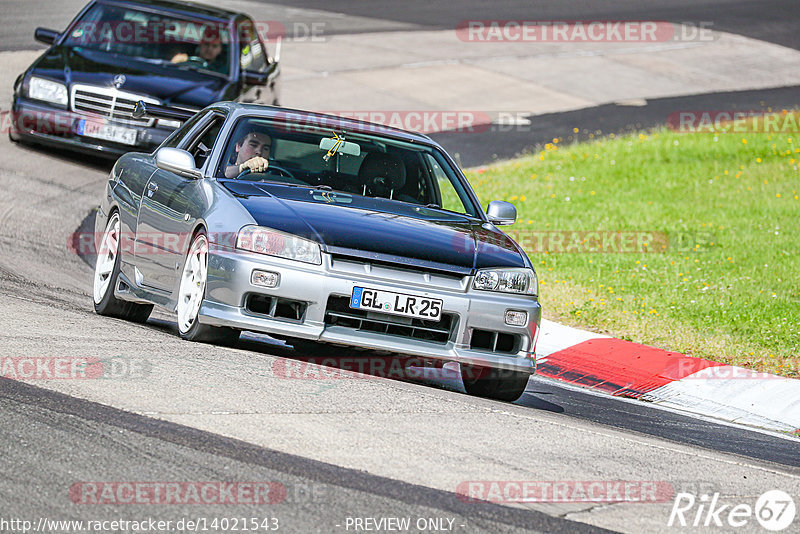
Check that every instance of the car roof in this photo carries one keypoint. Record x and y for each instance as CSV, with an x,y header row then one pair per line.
x,y
322,119
177,6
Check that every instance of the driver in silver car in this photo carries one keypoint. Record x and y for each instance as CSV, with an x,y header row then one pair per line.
x,y
251,153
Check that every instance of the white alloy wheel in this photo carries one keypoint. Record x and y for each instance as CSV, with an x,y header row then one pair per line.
x,y
106,259
193,284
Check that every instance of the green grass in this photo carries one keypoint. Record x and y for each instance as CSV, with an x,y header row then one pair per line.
x,y
721,277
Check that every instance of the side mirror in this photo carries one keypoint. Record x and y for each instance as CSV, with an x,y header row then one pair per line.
x,y
501,212
43,35
177,161
251,77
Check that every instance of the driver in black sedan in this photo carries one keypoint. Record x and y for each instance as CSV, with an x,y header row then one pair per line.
x,y
209,50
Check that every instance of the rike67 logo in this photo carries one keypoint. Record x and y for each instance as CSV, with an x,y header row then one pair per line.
x,y
774,510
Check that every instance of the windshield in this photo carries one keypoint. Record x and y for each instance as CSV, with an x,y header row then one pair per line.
x,y
154,37
350,164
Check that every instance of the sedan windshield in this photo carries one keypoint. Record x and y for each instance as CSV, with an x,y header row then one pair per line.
x,y
331,159
154,37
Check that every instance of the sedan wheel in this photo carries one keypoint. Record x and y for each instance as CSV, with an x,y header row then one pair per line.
x,y
106,272
191,293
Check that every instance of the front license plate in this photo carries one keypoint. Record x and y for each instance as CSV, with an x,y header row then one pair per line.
x,y
109,132
396,303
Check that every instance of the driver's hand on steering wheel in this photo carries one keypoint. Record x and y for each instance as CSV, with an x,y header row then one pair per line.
x,y
255,164
180,58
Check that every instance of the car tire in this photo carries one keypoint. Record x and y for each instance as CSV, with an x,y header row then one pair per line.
x,y
191,293
106,273
492,383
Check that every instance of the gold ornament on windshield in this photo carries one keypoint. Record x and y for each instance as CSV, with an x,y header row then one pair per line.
x,y
339,142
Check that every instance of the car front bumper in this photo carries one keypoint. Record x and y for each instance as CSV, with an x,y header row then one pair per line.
x,y
228,290
37,122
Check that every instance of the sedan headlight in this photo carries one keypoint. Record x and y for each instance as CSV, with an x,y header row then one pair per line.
x,y
521,281
274,243
47,90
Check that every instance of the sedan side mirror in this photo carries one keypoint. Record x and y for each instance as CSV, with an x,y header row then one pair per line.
x,y
501,212
43,35
178,161
251,77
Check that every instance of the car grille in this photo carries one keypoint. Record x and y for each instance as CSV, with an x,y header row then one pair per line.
x,y
277,308
109,102
339,313
494,341
416,276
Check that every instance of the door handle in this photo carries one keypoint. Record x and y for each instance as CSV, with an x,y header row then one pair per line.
x,y
152,187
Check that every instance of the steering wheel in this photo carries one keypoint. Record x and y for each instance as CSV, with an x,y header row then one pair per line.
x,y
280,170
196,59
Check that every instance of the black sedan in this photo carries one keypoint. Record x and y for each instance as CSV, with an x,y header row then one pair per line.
x,y
80,94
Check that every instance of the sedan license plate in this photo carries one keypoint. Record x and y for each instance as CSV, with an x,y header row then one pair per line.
x,y
396,303
109,132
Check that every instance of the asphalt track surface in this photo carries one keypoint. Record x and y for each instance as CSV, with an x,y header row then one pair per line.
x,y
65,439
552,396
503,142
51,439
774,21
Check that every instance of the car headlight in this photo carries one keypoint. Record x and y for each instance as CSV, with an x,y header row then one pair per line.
x,y
521,281
47,90
274,243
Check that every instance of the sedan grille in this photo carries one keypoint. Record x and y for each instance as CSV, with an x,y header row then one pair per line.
x,y
109,102
494,341
339,313
276,308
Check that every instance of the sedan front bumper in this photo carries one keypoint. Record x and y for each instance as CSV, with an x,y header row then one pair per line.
x,y
470,331
37,122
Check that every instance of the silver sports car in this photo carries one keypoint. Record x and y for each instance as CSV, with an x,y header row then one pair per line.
x,y
318,230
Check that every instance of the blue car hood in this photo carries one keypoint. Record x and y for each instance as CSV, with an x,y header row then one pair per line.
x,y
379,229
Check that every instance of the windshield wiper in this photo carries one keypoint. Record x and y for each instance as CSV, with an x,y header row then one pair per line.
x,y
154,61
197,68
450,212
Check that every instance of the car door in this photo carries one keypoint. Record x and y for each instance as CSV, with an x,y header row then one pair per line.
x,y
169,209
253,58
